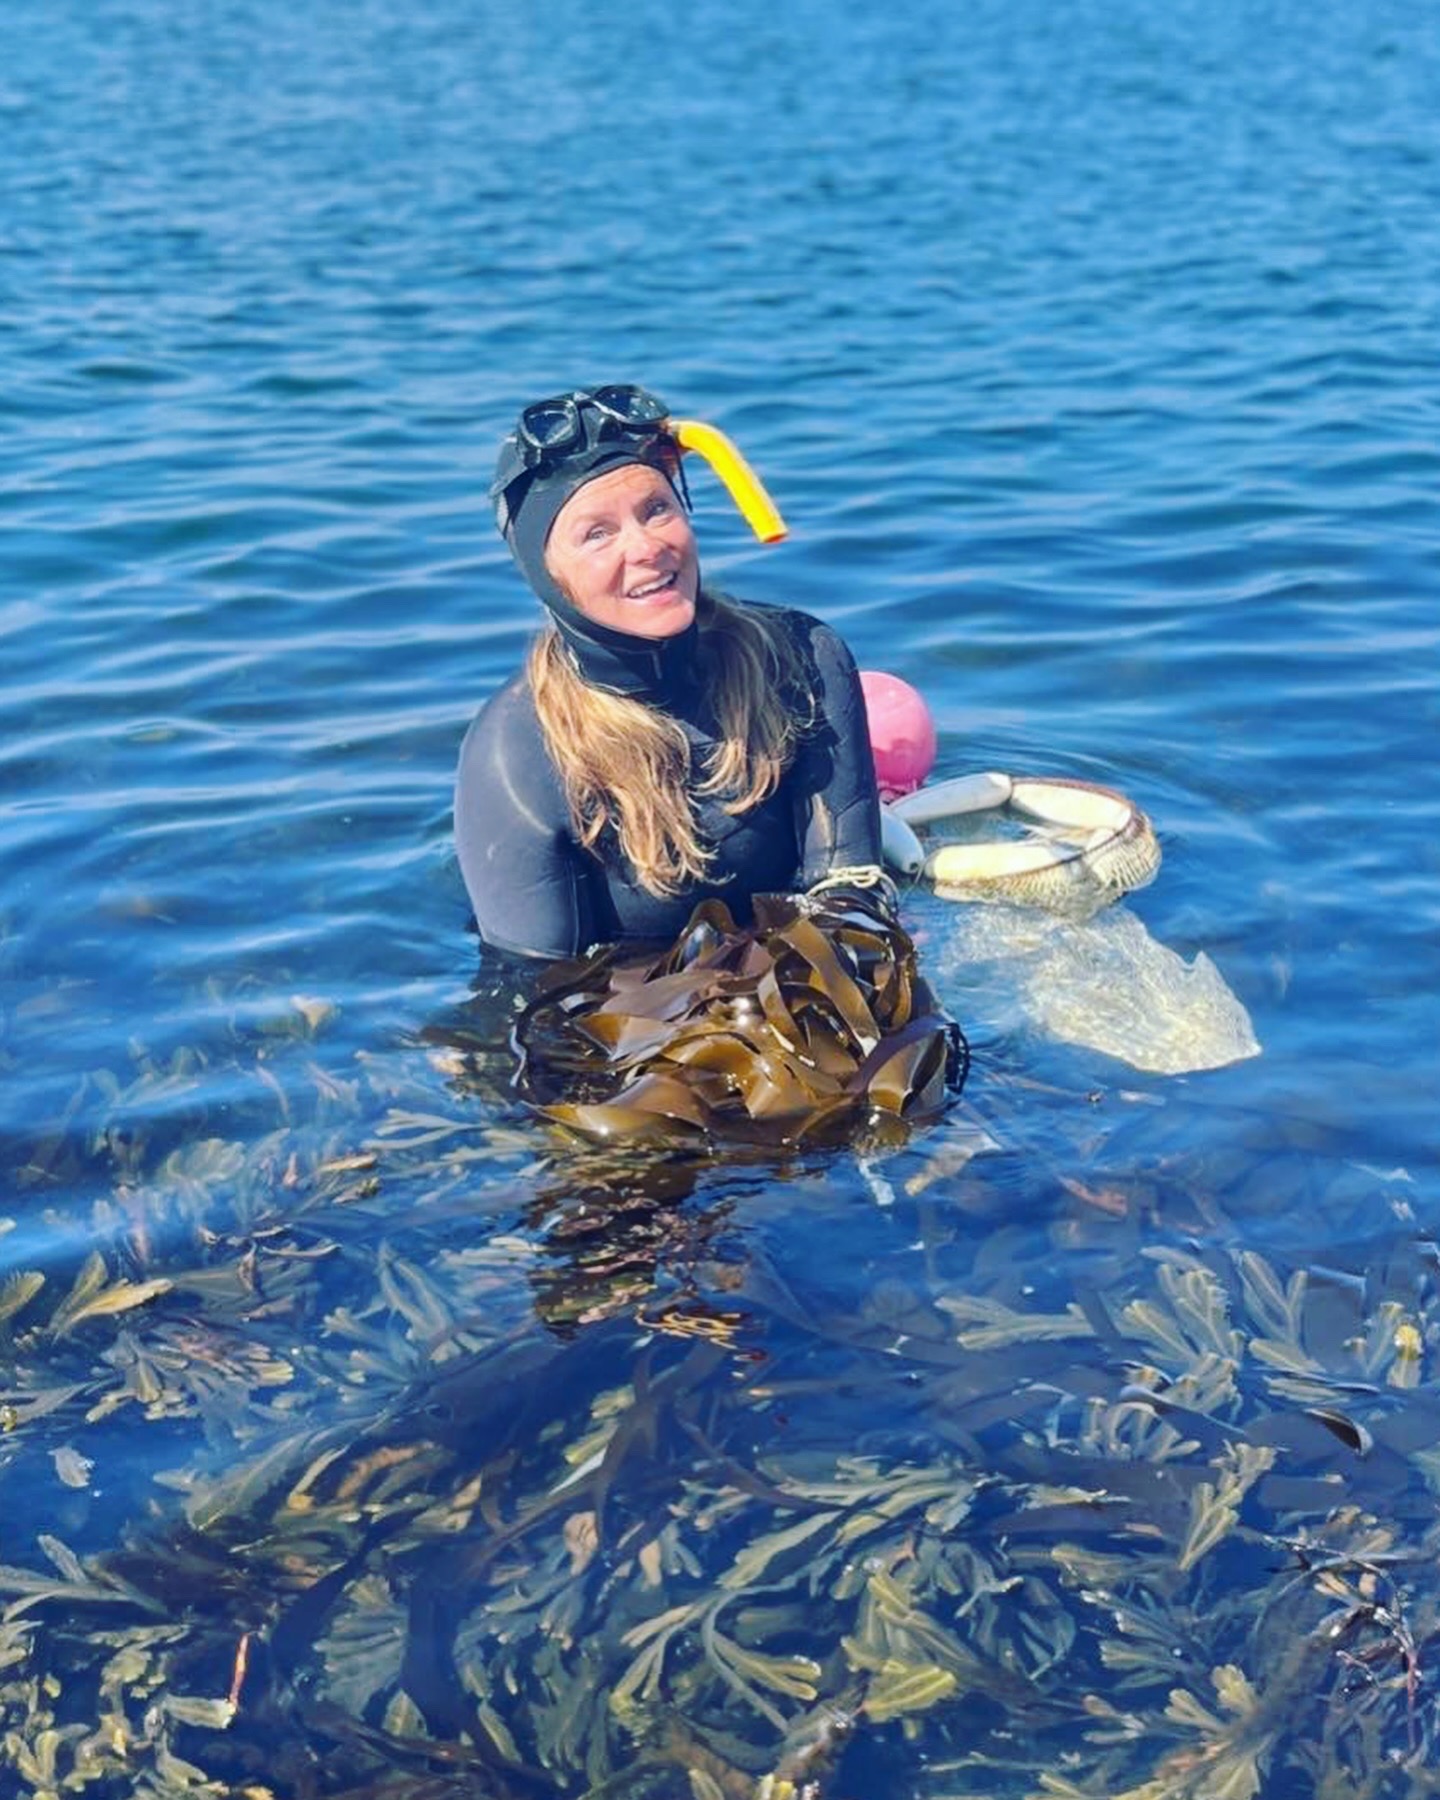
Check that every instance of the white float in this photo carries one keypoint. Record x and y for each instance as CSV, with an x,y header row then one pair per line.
x,y
1101,982
1083,845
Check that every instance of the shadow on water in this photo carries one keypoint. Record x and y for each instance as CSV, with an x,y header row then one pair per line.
x,y
439,1453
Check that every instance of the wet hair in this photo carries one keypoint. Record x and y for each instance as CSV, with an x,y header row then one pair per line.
x,y
625,765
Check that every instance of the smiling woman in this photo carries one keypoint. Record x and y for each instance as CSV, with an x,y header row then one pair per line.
x,y
623,553
663,744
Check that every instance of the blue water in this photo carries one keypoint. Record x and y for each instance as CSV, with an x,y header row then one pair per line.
x,y
1090,354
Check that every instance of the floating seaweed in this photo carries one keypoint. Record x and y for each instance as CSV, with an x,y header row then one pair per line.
x,y
796,1030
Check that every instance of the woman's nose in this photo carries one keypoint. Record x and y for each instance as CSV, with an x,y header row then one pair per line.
x,y
641,538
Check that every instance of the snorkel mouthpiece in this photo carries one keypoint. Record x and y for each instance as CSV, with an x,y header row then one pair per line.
x,y
741,482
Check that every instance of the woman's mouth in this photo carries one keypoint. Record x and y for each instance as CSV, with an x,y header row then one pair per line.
x,y
652,590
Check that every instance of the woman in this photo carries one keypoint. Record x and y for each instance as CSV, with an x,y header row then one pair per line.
x,y
663,744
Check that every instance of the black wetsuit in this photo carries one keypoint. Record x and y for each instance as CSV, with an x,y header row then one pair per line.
x,y
536,892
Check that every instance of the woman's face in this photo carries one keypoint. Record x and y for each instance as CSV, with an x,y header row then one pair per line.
x,y
622,551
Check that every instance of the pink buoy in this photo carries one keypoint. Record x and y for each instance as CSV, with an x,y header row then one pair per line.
x,y
902,733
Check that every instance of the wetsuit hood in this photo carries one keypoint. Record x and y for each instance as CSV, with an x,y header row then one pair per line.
x,y
658,670
527,507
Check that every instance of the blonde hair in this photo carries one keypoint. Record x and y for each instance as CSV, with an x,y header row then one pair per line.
x,y
625,764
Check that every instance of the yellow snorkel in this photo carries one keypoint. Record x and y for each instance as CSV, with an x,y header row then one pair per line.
x,y
741,482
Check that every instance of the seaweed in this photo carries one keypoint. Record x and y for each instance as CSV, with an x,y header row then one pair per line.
x,y
476,1463
809,1024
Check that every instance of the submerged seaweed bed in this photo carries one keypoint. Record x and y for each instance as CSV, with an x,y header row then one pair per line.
x,y
481,1462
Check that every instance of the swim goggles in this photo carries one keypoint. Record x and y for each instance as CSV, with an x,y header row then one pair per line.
x,y
550,429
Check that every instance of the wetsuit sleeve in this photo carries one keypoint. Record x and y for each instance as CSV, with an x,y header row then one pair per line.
x,y
521,867
840,818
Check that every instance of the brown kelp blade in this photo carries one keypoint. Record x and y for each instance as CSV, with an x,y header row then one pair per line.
x,y
815,1015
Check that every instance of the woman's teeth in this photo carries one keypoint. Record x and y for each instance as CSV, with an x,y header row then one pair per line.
x,y
651,587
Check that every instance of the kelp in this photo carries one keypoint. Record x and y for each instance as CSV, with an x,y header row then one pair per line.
x,y
794,1031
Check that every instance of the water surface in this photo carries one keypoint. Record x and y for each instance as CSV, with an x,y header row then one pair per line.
x,y
1092,362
